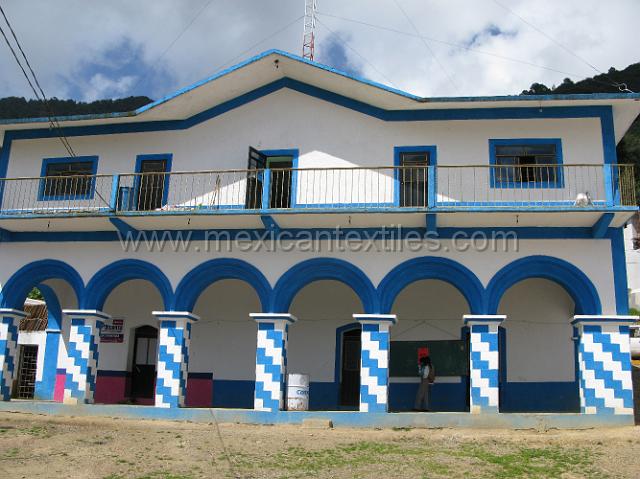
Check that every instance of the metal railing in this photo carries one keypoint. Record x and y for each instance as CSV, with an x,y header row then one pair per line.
x,y
347,188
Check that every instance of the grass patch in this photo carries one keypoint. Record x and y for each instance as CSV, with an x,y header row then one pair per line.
x,y
532,462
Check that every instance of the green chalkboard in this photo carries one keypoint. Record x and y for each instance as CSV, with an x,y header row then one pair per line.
x,y
449,358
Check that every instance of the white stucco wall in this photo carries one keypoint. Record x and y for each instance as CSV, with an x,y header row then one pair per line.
x,y
326,136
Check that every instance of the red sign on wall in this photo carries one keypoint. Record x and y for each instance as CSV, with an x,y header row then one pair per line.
x,y
112,332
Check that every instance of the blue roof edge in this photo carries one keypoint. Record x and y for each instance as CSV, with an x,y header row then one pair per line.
x,y
462,99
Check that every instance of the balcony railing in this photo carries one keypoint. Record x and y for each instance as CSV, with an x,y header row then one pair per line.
x,y
396,188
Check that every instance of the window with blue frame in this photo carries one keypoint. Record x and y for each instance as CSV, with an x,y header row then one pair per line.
x,y
526,163
71,178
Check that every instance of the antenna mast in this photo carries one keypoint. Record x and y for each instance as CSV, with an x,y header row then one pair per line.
x,y
309,36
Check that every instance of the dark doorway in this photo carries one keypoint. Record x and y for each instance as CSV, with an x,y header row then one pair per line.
x,y
256,165
27,371
350,368
143,370
151,184
280,181
413,179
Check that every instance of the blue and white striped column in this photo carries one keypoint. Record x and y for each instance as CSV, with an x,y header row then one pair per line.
x,y
9,324
484,360
83,355
374,361
604,360
173,357
271,360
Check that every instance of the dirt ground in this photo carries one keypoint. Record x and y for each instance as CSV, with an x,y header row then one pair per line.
x,y
33,446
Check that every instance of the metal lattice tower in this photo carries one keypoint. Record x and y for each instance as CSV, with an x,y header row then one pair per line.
x,y
308,38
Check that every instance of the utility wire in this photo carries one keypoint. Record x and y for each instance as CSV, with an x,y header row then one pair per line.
x,y
460,46
428,47
170,46
269,37
451,44
620,86
346,44
53,122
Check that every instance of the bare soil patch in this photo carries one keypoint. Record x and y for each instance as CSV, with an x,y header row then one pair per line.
x,y
66,447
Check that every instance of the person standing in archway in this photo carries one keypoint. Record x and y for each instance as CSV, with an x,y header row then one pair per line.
x,y
427,377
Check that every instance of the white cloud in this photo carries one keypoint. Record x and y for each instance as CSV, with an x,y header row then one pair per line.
x,y
71,42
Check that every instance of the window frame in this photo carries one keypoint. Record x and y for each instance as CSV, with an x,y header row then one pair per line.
x,y
93,159
499,183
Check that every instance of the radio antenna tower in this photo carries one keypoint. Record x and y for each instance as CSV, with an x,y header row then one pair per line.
x,y
309,36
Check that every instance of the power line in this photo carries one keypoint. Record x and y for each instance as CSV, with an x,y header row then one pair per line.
x,y
53,122
451,44
170,46
270,36
429,49
346,44
620,86
459,46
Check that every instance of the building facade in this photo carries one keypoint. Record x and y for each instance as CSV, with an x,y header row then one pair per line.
x,y
285,217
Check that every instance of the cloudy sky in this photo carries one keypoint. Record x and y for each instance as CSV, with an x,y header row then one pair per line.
x,y
91,49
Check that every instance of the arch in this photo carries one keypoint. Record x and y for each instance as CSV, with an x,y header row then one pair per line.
x,y
105,281
204,275
54,311
427,267
18,286
575,282
302,274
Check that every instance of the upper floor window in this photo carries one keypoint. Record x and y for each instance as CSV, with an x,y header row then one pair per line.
x,y
68,178
528,163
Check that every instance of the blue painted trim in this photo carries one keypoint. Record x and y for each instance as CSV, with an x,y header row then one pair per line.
x,y
123,227
294,153
574,281
17,287
269,223
113,199
432,152
293,233
601,226
138,169
349,419
68,159
619,262
558,183
104,281
45,388
599,111
306,272
509,98
205,274
428,267
432,223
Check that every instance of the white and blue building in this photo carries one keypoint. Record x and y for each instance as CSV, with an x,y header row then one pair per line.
x,y
293,218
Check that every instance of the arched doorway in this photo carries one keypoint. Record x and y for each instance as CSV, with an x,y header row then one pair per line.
x,y
325,343
538,349
430,313
143,366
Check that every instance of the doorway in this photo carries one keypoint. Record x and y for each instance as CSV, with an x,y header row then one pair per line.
x,y
143,369
27,371
152,184
413,179
279,181
350,368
